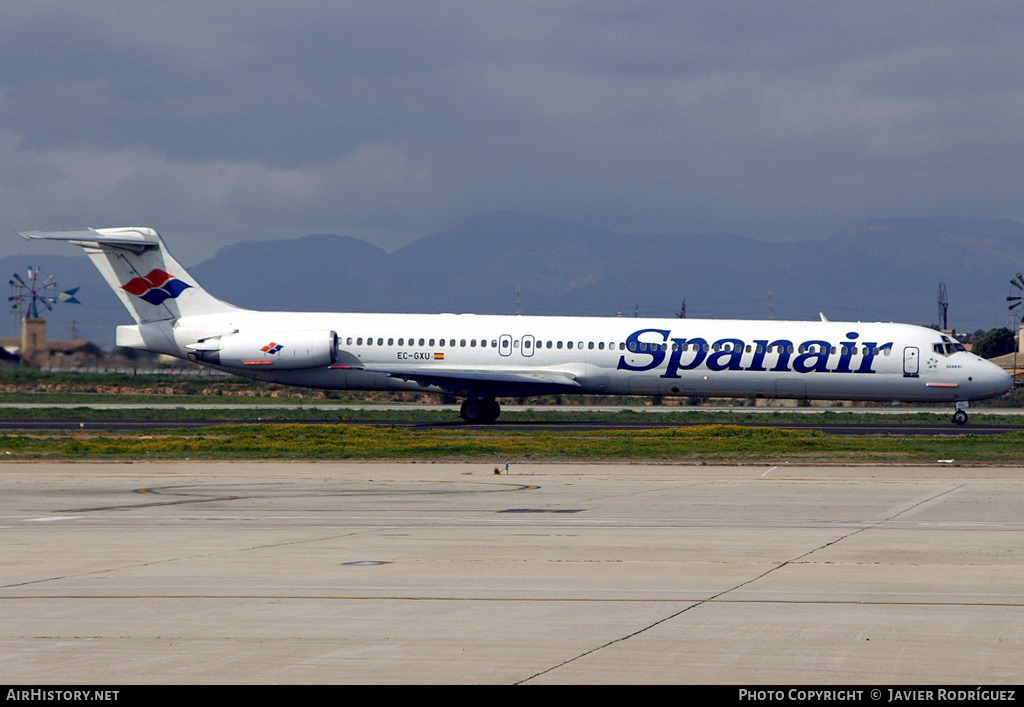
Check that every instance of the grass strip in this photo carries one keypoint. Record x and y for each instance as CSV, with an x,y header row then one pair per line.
x,y
703,443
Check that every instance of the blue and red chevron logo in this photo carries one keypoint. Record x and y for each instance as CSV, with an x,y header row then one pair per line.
x,y
155,287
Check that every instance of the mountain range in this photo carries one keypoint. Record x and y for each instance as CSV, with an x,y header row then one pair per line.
x,y
504,262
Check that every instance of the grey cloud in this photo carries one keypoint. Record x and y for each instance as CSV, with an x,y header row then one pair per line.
x,y
392,119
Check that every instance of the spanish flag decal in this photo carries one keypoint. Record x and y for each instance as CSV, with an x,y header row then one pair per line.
x,y
438,356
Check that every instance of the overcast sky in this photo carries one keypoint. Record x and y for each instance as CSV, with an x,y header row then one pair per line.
x,y
216,122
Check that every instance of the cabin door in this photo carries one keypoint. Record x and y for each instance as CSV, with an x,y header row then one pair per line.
x,y
911,362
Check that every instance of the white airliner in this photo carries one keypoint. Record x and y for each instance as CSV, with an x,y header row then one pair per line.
x,y
482,358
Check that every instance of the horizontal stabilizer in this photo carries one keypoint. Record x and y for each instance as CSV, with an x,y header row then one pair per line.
x,y
138,237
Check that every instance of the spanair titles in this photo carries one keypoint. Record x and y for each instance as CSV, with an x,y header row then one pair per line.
x,y
651,349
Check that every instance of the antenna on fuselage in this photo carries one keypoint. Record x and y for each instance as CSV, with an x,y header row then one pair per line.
x,y
681,314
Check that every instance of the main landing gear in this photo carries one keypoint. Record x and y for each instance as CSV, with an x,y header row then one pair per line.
x,y
480,411
960,416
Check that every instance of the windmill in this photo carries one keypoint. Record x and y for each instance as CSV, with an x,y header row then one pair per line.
x,y
35,289
1014,301
28,296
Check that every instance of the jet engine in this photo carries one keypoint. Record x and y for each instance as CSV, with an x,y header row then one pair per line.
x,y
281,350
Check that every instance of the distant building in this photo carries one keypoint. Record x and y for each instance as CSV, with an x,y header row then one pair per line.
x,y
33,346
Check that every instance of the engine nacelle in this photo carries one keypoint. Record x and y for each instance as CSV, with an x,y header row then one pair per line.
x,y
282,350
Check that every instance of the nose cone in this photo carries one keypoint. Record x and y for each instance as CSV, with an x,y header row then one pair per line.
x,y
989,380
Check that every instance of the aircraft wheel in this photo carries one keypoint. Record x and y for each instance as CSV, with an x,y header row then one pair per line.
x,y
471,411
960,417
480,411
491,410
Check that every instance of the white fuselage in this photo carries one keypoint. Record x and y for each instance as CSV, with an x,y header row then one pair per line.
x,y
457,353
482,358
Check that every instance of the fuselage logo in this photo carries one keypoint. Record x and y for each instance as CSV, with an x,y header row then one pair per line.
x,y
155,287
272,348
659,348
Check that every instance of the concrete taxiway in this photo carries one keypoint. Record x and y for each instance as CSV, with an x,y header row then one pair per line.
x,y
448,573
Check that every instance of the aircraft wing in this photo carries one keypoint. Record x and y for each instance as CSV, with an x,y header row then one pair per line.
x,y
438,374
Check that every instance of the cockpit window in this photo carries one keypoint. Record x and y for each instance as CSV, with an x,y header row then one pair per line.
x,y
948,346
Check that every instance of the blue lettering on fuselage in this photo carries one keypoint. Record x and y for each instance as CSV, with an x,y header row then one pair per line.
x,y
683,354
634,345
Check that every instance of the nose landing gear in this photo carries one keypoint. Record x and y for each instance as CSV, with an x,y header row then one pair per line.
x,y
960,416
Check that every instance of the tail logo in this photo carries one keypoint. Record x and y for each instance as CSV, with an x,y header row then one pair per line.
x,y
155,287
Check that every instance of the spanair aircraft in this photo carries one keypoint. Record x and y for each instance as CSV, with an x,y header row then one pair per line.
x,y
481,358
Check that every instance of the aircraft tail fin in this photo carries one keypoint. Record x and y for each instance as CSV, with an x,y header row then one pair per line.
x,y
150,283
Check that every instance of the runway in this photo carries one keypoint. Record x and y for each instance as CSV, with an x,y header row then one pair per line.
x,y
229,573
